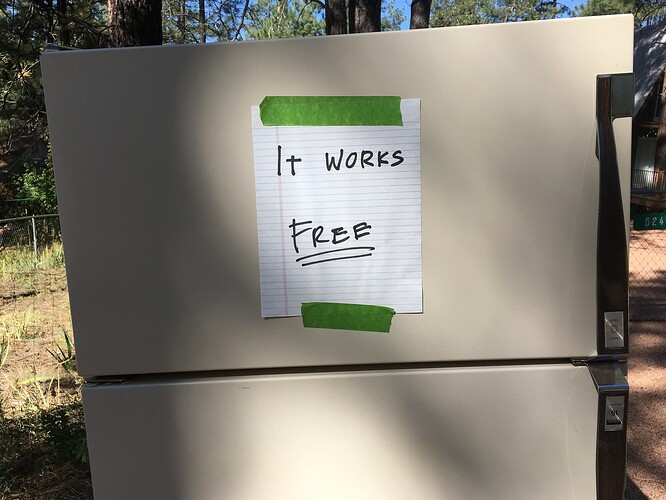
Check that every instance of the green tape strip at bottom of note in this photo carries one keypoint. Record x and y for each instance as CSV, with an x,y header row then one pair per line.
x,y
365,318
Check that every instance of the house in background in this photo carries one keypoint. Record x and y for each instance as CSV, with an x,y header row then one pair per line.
x,y
648,181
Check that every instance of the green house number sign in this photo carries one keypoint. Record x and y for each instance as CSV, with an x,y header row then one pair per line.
x,y
644,222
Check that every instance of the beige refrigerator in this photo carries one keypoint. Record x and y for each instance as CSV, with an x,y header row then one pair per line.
x,y
501,374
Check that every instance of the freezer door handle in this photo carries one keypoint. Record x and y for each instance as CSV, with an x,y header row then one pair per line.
x,y
613,390
614,100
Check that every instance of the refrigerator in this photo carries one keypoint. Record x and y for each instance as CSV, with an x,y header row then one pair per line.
x,y
507,380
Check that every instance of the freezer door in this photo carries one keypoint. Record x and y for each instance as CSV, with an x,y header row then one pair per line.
x,y
486,433
154,165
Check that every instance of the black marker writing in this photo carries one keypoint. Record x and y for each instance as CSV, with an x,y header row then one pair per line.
x,y
366,158
339,231
291,160
361,226
344,251
335,236
294,233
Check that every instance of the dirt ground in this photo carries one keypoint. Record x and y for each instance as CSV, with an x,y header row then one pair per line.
x,y
647,275
34,319
646,419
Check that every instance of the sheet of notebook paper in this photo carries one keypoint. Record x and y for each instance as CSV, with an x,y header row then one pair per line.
x,y
339,214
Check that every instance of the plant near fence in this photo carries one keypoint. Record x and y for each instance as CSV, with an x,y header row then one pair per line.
x,y
4,349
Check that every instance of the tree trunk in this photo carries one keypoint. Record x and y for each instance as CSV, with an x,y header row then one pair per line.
x,y
351,7
202,21
367,16
336,17
63,23
420,17
660,156
135,22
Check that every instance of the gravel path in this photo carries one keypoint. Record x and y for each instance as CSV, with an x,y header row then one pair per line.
x,y
646,450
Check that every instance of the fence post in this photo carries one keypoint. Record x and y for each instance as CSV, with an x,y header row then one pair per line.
x,y
34,239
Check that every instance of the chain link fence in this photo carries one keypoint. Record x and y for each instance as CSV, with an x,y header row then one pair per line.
x,y
647,275
32,268
32,232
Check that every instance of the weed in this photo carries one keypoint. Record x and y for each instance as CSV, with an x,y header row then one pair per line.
x,y
47,446
36,392
65,358
4,349
43,452
51,257
65,433
18,325
16,261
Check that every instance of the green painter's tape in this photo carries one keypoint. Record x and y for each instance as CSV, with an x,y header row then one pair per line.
x,y
347,316
330,111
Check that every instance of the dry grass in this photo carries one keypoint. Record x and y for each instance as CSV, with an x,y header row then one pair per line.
x,y
43,452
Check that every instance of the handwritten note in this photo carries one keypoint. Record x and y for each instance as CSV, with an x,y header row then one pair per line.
x,y
339,213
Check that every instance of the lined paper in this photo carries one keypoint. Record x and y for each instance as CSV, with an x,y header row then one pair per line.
x,y
339,228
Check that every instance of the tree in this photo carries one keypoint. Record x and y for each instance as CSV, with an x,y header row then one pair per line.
x,y
135,22
646,13
365,16
420,14
460,12
36,187
226,19
465,12
605,7
284,19
336,17
25,29
392,16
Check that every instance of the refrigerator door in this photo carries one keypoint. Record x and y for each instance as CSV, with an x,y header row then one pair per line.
x,y
486,433
154,166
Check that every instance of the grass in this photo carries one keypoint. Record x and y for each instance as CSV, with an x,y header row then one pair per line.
x,y
15,261
43,454
17,325
4,349
43,450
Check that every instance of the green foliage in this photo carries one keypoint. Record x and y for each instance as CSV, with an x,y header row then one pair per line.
x,y
64,433
459,13
184,22
39,438
645,13
65,358
466,12
392,16
37,187
604,7
25,29
284,19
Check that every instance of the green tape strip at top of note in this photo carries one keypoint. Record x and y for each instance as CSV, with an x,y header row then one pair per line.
x,y
366,318
330,111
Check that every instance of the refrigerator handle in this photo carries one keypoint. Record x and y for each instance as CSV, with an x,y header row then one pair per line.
x,y
615,98
613,390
